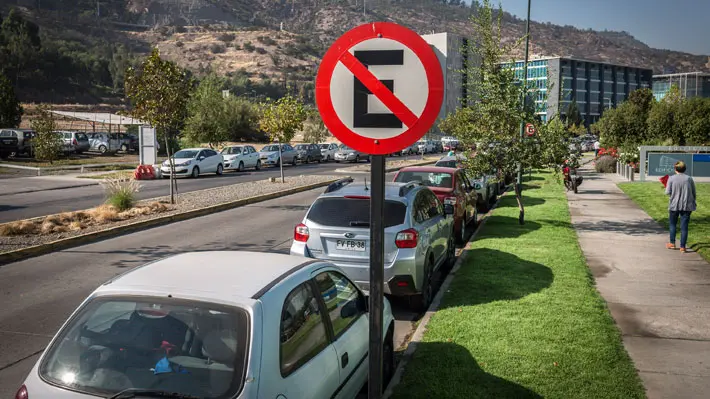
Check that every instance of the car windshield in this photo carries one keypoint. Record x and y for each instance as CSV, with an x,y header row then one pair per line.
x,y
185,154
270,148
447,164
301,147
429,179
183,347
324,146
81,137
352,212
232,150
343,147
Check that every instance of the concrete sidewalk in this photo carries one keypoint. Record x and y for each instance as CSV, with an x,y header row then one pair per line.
x,y
22,185
659,298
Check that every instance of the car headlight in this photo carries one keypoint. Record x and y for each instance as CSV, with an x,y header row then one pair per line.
x,y
352,153
274,156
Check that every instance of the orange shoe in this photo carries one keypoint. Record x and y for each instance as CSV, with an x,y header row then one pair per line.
x,y
682,250
670,245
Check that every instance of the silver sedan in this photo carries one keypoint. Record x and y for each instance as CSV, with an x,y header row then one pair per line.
x,y
347,154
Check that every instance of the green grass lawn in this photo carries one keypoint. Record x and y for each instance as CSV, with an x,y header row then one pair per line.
x,y
651,197
522,318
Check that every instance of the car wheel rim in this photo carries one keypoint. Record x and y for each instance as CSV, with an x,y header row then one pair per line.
x,y
219,169
241,166
258,165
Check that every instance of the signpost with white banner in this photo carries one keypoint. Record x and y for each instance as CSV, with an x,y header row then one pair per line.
x,y
379,89
147,146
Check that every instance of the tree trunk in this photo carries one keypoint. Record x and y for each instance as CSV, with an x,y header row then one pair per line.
x,y
172,170
281,164
519,198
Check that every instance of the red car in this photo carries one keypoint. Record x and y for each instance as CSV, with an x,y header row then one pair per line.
x,y
451,187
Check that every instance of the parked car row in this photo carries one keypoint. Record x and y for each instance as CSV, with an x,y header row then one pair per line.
x,y
21,142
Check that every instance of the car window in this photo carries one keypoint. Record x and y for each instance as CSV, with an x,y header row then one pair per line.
x,y
112,343
337,291
81,137
211,153
420,207
251,149
434,207
353,212
287,147
303,333
429,179
325,146
231,150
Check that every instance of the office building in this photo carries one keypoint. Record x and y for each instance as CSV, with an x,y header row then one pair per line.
x,y
594,85
690,84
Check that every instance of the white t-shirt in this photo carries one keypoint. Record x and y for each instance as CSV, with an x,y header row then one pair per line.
x,y
596,145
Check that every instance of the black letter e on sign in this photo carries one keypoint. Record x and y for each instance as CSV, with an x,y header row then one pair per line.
x,y
361,117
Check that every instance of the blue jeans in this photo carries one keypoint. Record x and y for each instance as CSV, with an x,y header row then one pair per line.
x,y
673,221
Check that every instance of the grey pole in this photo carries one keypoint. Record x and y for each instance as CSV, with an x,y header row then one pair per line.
x,y
377,274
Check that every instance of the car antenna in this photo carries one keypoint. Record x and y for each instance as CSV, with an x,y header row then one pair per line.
x,y
366,189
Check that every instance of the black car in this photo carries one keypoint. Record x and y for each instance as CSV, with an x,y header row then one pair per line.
x,y
308,153
8,143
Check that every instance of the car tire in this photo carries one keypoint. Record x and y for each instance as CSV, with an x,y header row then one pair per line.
x,y
337,161
278,162
258,165
293,162
461,236
327,159
450,255
421,301
195,172
103,149
124,148
240,168
320,160
220,170
357,159
308,159
388,362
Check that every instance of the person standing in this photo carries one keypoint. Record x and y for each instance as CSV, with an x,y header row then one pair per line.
x,y
597,146
681,190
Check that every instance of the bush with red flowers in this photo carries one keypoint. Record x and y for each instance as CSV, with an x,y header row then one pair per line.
x,y
610,151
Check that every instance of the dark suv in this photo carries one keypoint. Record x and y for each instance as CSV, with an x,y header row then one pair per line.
x,y
307,153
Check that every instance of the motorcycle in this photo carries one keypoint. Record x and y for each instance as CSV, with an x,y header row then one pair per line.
x,y
571,178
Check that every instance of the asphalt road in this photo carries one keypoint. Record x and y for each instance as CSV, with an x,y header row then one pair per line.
x,y
40,203
39,294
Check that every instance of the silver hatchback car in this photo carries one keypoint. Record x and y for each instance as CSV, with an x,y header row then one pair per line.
x,y
418,236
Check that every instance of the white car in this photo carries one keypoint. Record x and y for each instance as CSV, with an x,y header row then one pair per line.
x,y
193,162
239,157
328,151
425,146
214,325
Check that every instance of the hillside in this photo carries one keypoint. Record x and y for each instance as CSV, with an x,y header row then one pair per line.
x,y
273,46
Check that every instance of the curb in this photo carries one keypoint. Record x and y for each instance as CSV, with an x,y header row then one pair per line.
x,y
387,170
87,184
37,250
418,334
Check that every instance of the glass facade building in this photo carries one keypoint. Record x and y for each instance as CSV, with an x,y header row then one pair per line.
x,y
595,86
691,84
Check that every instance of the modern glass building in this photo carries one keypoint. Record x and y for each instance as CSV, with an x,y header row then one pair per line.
x,y
690,84
594,85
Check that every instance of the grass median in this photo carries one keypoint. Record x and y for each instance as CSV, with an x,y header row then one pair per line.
x,y
522,318
652,199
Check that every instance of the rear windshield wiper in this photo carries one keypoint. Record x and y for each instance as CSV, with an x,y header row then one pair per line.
x,y
150,393
359,223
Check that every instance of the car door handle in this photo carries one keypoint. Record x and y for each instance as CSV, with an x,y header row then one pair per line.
x,y
344,360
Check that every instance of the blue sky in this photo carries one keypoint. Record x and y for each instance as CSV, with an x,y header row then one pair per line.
x,y
682,25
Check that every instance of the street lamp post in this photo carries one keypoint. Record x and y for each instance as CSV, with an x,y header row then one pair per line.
x,y
519,180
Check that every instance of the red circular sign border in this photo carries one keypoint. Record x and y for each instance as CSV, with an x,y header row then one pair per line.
x,y
435,81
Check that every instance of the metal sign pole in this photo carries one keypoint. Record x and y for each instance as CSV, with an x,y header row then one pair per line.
x,y
377,271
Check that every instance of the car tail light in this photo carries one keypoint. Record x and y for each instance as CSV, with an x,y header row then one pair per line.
x,y
406,239
74,142
450,201
357,197
402,284
301,233
22,393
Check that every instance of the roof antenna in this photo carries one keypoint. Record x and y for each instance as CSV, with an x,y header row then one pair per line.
x,y
366,189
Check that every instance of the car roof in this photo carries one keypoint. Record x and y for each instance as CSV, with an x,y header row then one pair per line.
x,y
430,169
218,275
358,189
194,149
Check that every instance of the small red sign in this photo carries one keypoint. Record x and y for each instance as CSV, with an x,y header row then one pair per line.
x,y
369,84
529,129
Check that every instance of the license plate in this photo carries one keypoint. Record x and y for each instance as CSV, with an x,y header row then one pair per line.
x,y
7,141
350,245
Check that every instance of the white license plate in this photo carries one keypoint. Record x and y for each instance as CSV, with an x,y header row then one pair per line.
x,y
350,245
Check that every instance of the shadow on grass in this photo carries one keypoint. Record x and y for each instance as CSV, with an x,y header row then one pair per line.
x,y
527,201
491,275
508,227
447,370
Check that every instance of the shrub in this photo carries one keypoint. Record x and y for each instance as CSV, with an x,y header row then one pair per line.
x,y
260,50
179,43
121,193
605,164
248,47
226,37
217,48
266,40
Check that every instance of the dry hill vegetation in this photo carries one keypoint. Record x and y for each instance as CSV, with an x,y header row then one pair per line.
x,y
269,47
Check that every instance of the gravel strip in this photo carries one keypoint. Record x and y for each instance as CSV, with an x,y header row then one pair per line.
x,y
186,202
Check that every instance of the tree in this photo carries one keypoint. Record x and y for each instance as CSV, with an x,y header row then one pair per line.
x,y
159,91
20,43
315,130
10,109
693,121
241,119
627,125
573,116
206,113
281,120
47,144
492,123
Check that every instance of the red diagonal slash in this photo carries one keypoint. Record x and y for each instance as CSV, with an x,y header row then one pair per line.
x,y
381,91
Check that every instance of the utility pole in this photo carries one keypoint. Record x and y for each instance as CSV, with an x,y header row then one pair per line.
x,y
519,180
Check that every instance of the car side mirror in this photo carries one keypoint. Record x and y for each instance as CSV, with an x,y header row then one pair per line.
x,y
201,158
448,209
350,309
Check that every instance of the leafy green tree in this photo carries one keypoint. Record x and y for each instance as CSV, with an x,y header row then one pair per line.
x,y
159,91
694,121
315,130
491,124
47,144
241,119
661,122
20,43
281,120
206,113
627,125
120,60
573,117
10,109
